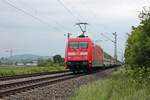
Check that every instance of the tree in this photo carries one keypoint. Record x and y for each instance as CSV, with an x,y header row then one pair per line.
x,y
137,51
58,59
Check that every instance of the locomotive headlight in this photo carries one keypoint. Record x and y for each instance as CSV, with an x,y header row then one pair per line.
x,y
71,53
84,53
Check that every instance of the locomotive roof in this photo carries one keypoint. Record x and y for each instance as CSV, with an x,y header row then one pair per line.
x,y
80,39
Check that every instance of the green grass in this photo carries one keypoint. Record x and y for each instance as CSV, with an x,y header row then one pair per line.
x,y
14,70
118,87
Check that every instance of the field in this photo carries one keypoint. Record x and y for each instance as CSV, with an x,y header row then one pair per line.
x,y
118,87
18,70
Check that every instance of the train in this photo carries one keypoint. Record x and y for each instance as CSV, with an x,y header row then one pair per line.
x,y
82,54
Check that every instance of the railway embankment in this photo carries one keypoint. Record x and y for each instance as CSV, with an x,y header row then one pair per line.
x,y
62,90
120,86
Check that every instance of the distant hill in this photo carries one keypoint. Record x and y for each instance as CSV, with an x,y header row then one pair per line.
x,y
30,56
23,58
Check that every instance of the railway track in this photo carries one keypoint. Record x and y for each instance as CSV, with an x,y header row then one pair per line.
x,y
30,75
17,85
9,87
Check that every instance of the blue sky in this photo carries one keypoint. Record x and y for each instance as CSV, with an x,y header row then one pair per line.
x,y
25,34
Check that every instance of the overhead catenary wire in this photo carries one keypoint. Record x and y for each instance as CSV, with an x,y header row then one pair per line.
x,y
57,23
8,2
89,10
77,13
107,37
27,5
78,18
68,10
93,14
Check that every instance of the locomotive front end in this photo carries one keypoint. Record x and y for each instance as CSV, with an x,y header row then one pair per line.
x,y
78,54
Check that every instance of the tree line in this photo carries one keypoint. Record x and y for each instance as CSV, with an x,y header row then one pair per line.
x,y
137,52
57,59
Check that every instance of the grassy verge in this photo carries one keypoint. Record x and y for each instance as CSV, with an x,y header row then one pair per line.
x,y
14,70
119,87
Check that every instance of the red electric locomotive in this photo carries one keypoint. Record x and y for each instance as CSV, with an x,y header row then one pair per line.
x,y
82,54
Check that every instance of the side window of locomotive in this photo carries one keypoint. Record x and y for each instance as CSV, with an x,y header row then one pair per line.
x,y
83,45
73,45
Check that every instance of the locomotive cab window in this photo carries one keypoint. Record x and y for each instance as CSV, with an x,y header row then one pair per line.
x,y
78,45
73,45
83,45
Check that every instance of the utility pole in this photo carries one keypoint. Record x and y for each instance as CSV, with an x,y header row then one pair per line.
x,y
115,46
122,58
10,52
82,27
68,35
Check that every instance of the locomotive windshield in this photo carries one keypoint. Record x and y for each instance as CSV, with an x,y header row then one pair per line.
x,y
78,45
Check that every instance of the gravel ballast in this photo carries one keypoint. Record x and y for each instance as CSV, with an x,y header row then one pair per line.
x,y
60,91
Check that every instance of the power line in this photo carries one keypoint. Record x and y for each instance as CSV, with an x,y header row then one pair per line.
x,y
92,13
89,10
62,26
23,11
27,5
115,44
83,3
68,10
107,37
79,15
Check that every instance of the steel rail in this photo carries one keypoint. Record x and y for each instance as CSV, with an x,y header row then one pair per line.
x,y
18,82
30,75
8,89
